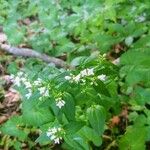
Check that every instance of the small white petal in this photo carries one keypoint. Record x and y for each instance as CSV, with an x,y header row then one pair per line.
x,y
83,73
57,141
20,74
46,93
24,79
53,137
17,81
48,134
77,78
28,95
102,77
42,90
38,82
27,84
67,77
60,103
87,72
54,130
12,76
90,71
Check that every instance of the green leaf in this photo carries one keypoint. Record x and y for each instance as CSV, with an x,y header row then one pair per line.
x,y
96,115
13,128
91,135
142,95
43,139
13,68
34,114
78,60
100,88
17,145
69,107
133,139
73,127
76,142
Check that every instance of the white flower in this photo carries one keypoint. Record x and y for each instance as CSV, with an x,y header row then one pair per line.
x,y
83,80
46,93
67,77
24,79
12,77
53,137
17,81
42,90
77,78
38,82
27,84
57,140
83,73
19,74
60,103
87,72
53,130
90,71
102,77
28,95
48,134
141,18
54,134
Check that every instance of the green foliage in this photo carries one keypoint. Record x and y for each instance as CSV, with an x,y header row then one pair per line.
x,y
135,136
75,108
13,127
73,28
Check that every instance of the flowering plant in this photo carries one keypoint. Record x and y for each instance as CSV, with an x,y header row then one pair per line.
x,y
68,105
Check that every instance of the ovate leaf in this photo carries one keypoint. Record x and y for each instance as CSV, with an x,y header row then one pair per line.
x,y
96,116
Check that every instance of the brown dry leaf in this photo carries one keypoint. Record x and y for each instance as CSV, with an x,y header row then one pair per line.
x,y
115,120
3,119
12,96
118,48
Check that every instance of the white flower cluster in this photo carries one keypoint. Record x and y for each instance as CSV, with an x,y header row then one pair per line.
x,y
141,18
55,134
21,78
60,103
83,73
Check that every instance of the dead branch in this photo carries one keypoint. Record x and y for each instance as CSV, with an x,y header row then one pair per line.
x,y
26,52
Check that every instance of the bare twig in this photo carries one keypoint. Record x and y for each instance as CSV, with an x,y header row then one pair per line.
x,y
112,144
26,52
106,137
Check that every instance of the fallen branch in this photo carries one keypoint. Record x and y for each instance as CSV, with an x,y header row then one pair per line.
x,y
26,52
